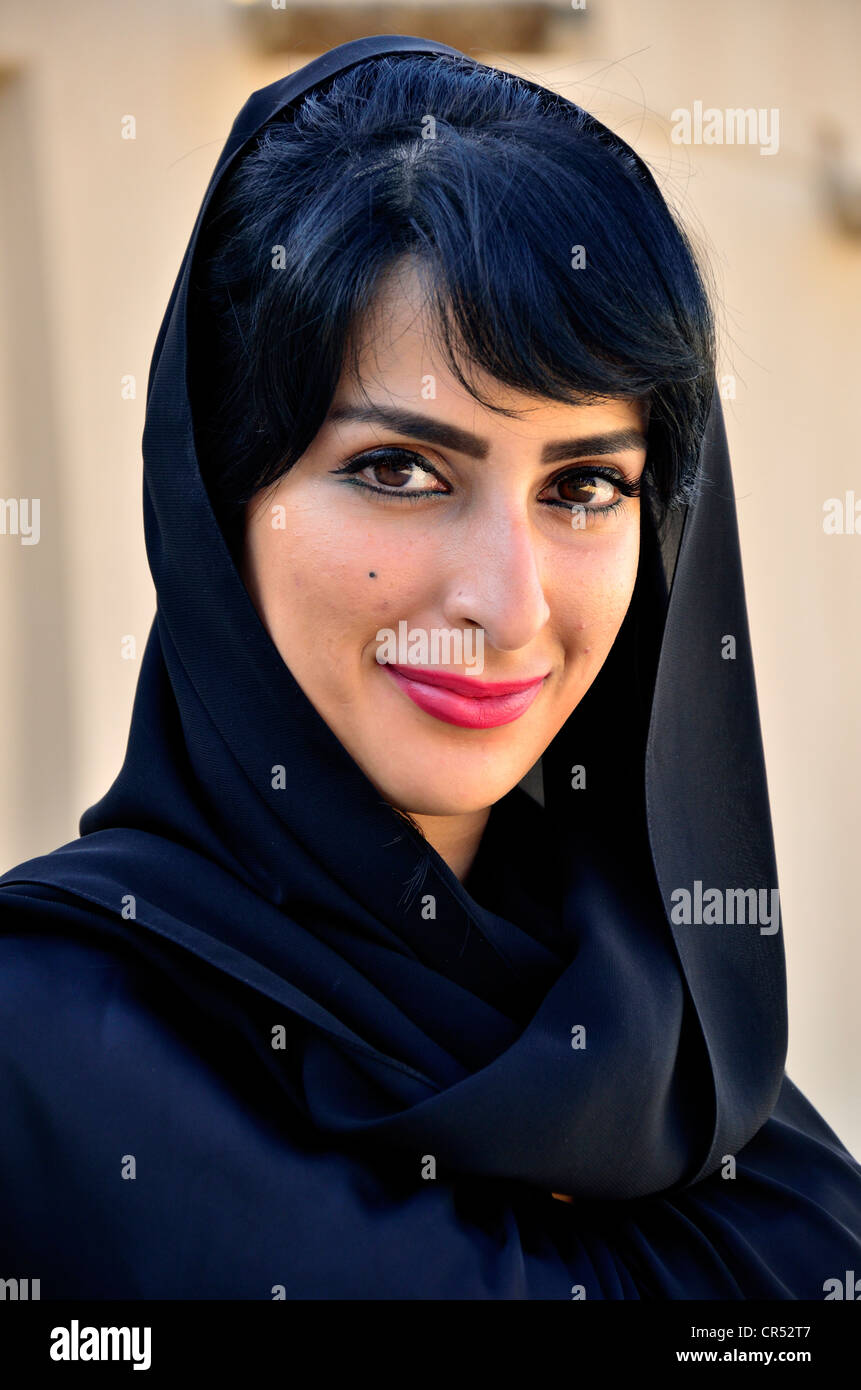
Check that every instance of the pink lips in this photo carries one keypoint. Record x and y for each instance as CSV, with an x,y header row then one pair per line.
x,y
465,700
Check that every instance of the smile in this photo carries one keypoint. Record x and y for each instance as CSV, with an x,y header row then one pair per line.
x,y
465,700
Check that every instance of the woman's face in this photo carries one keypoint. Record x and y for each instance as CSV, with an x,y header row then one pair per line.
x,y
416,511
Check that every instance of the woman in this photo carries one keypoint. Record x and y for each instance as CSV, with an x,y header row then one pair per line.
x,y
391,967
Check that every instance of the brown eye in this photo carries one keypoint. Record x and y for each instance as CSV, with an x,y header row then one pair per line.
x,y
590,490
392,474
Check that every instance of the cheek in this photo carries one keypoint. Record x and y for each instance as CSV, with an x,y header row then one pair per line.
x,y
323,577
593,595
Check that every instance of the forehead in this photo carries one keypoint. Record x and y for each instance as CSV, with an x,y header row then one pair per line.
x,y
397,352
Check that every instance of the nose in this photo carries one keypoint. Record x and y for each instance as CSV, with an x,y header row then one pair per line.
x,y
495,581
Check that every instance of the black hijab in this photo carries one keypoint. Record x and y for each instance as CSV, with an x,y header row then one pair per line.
x,y
546,1022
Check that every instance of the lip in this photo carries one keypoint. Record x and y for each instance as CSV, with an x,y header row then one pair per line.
x,y
464,700
470,686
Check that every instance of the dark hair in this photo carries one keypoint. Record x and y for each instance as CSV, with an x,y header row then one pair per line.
x,y
491,182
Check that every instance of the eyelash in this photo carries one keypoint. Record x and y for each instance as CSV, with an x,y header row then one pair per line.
x,y
380,456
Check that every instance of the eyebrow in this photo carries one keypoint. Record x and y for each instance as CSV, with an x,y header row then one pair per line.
x,y
435,431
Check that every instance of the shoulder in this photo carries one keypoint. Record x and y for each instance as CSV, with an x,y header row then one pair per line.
x,y
89,1027
51,967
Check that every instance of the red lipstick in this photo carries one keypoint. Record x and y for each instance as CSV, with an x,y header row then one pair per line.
x,y
465,700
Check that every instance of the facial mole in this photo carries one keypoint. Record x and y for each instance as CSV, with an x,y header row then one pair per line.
x,y
372,574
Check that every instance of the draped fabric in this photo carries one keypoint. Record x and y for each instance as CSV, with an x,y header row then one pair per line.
x,y
257,1037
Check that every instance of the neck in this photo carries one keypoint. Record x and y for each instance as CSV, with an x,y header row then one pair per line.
x,y
455,838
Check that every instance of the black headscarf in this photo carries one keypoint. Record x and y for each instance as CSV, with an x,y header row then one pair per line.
x,y
547,1022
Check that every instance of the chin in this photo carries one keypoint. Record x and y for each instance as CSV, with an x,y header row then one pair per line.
x,y
435,795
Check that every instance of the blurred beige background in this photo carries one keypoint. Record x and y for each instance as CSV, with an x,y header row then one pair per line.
x,y
92,231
